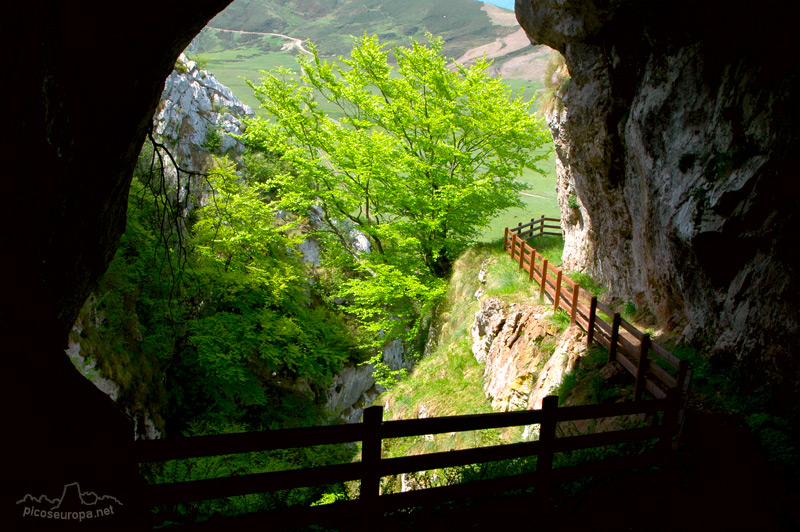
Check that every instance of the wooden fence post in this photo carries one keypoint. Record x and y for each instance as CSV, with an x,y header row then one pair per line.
x,y
541,226
505,239
547,434
516,245
522,247
612,344
557,293
574,312
641,369
533,265
544,280
592,316
371,457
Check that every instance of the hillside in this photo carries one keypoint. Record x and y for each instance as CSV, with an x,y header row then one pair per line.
x,y
329,23
497,347
529,346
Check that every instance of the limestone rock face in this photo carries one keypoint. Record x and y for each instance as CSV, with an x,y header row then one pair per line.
x,y
676,140
348,386
354,387
571,346
512,341
197,119
575,221
193,105
488,324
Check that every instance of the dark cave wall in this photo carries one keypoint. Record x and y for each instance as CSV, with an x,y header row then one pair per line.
x,y
86,80
82,81
678,134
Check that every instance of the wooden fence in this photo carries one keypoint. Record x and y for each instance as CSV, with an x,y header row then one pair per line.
x,y
373,430
654,368
537,227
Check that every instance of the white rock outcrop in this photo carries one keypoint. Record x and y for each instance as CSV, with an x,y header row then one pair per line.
x,y
354,387
193,104
348,387
198,118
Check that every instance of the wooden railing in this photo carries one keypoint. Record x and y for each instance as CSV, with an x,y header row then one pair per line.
x,y
654,368
537,227
373,430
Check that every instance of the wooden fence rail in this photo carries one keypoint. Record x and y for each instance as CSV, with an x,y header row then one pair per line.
x,y
654,368
537,227
373,430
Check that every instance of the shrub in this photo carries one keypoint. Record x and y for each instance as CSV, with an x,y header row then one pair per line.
x,y
556,79
213,140
201,60
572,202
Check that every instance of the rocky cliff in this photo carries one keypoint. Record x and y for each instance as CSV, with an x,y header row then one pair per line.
x,y
676,139
198,118
524,357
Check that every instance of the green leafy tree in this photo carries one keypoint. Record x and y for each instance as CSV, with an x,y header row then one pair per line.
x,y
422,154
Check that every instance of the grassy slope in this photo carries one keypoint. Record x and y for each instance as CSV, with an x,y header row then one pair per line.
x,y
450,380
541,201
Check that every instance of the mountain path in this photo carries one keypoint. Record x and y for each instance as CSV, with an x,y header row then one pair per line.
x,y
296,42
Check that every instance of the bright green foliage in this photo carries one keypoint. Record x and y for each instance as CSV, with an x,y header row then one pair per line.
x,y
422,158
203,317
253,317
237,239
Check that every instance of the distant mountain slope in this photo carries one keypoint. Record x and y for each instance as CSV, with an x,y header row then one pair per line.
x,y
254,35
329,23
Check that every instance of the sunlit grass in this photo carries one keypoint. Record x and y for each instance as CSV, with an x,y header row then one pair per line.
x,y
539,199
450,380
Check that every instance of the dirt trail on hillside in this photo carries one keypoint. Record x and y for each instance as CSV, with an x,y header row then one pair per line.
x,y
500,47
295,42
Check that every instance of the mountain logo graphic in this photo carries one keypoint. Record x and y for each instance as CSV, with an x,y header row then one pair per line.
x,y
73,504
